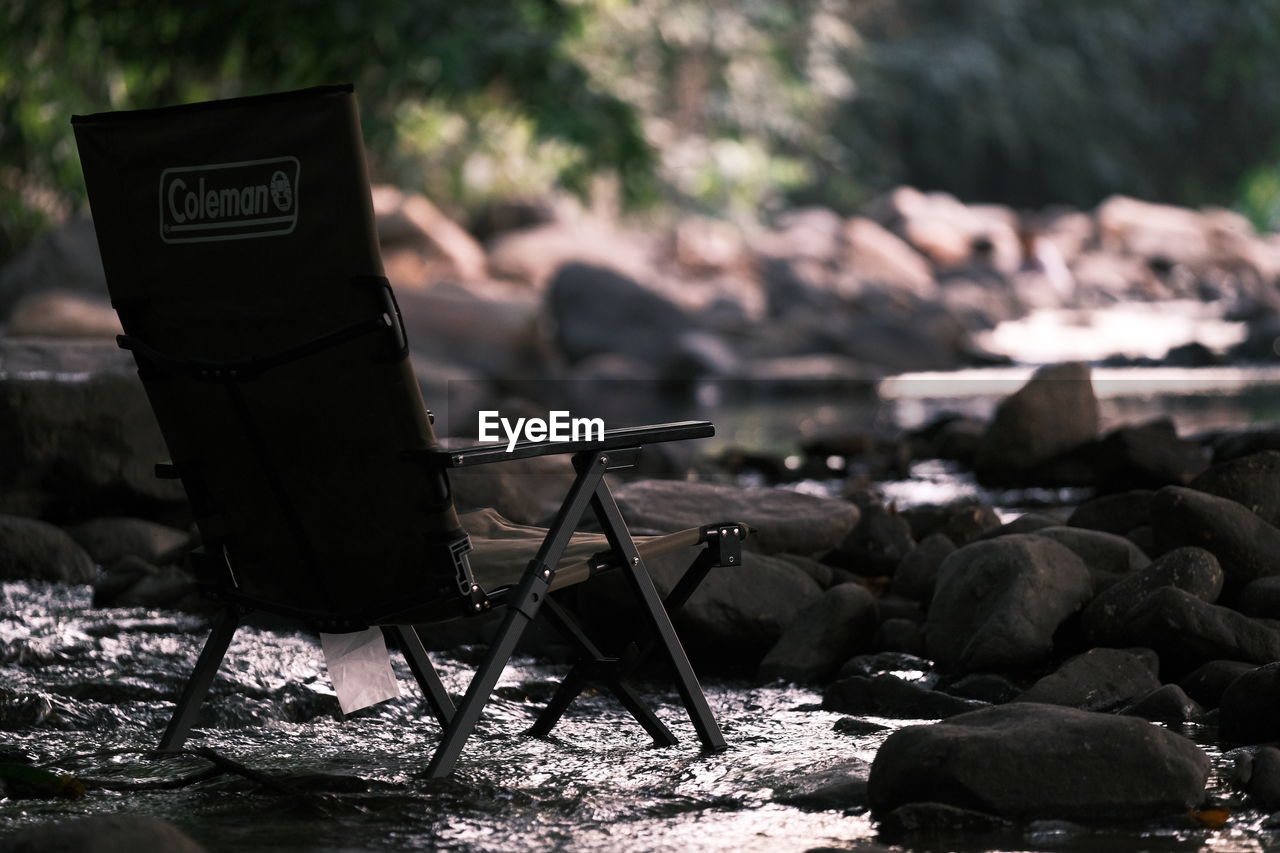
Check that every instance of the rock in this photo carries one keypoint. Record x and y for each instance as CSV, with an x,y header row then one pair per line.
x,y
822,636
998,603
77,435
1055,412
1103,553
917,572
734,618
857,727
783,521
596,310
33,550
1233,444
1147,457
65,258
1246,546
526,491
1207,682
133,582
879,258
1263,787
985,687
109,539
111,833
878,542
1251,481
60,314
1187,631
1098,680
1165,704
916,819
704,246
531,256
1247,712
887,696
1024,761
841,786
1194,570
410,220
1261,598
947,232
489,334
899,635
961,521
908,667
1118,513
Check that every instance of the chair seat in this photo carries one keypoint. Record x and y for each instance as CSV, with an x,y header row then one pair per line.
x,y
502,549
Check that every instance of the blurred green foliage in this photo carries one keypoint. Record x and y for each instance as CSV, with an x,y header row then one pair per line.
x,y
732,108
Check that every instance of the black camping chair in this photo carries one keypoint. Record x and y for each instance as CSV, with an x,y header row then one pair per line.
x,y
239,246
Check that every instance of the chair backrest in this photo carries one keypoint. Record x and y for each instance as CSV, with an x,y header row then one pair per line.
x,y
240,251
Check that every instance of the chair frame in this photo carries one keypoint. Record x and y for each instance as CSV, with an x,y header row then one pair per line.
x,y
618,450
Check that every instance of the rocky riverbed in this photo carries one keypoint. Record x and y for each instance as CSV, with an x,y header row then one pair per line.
x,y
1081,653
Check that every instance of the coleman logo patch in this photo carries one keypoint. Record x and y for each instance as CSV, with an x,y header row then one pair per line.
x,y
229,201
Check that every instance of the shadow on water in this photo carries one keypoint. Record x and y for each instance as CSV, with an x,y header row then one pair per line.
x,y
84,690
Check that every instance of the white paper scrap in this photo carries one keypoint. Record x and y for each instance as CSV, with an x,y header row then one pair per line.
x,y
359,668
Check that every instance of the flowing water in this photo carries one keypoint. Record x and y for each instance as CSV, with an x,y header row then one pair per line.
x,y
84,690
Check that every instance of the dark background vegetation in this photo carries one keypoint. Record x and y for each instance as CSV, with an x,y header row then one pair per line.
x,y
735,108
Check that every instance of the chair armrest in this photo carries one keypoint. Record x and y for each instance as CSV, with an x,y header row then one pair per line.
x,y
614,439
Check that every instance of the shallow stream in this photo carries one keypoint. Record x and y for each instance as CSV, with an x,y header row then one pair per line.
x,y
84,690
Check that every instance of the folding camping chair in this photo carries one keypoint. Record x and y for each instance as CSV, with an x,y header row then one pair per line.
x,y
239,246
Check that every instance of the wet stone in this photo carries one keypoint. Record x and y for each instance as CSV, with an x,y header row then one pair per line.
x,y
887,696
1261,598
856,727
985,687
843,787
109,539
938,818
1187,631
1106,555
899,635
103,834
1166,704
1263,787
1025,761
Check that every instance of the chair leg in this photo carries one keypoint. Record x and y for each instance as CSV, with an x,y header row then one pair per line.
x,y
197,687
695,701
528,598
580,675
415,654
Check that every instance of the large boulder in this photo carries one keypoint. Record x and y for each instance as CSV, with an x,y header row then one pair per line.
x,y
1055,412
33,550
77,435
783,521
878,257
998,603
1246,546
823,635
1028,761
1194,570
